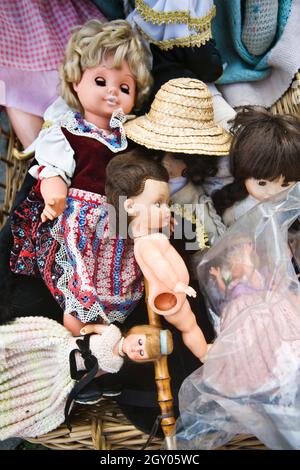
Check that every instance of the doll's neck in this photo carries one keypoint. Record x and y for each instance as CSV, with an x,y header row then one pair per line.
x,y
99,121
138,230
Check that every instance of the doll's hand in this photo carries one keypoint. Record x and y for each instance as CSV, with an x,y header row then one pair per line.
x,y
54,207
248,250
188,290
215,272
93,328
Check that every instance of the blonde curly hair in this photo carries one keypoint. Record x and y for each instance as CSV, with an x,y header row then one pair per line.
x,y
91,43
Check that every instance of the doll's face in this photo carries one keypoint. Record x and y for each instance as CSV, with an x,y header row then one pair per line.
x,y
174,166
134,346
103,89
150,208
262,189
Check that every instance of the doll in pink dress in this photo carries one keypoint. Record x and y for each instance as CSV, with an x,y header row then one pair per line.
x,y
250,381
144,183
61,231
33,36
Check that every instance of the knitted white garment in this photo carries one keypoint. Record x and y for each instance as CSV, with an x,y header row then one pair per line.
x,y
103,349
34,376
260,25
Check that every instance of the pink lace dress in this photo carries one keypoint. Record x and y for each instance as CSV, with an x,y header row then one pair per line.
x,y
33,36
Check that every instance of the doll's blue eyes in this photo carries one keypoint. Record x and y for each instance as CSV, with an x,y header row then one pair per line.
x,y
157,204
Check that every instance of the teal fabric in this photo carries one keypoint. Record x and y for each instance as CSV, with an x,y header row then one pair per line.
x,y
112,9
227,27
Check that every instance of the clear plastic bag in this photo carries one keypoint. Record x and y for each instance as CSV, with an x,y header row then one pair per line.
x,y
250,382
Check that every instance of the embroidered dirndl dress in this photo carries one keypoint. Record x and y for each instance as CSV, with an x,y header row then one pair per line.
x,y
91,274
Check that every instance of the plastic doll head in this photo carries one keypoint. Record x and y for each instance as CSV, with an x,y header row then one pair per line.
x,y
194,167
265,147
146,343
93,43
144,184
264,156
107,89
150,208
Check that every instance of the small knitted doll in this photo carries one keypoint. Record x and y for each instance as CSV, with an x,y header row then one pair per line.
x,y
39,359
260,24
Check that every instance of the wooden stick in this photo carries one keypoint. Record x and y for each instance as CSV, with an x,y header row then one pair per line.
x,y
162,378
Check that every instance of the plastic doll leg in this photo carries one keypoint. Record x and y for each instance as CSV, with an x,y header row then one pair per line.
x,y
26,126
193,338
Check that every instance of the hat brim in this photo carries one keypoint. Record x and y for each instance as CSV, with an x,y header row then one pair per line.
x,y
209,140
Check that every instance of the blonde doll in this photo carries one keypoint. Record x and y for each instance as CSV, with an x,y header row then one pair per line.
x,y
103,76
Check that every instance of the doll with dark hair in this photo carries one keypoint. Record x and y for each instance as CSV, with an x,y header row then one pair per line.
x,y
144,184
181,131
264,160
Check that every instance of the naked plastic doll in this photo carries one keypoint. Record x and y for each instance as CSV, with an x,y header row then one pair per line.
x,y
92,277
145,185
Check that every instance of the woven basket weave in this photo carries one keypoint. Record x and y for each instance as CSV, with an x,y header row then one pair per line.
x,y
104,426
14,172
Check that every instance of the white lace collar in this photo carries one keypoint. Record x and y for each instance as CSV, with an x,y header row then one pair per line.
x,y
115,141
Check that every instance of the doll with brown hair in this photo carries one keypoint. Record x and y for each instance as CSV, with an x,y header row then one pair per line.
x,y
187,139
264,160
70,363
144,183
104,75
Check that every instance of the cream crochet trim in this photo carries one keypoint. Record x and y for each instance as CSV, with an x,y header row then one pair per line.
x,y
107,360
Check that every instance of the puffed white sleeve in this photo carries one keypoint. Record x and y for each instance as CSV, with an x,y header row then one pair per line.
x,y
54,155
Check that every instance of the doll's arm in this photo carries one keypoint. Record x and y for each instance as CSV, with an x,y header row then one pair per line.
x,y
54,155
216,272
54,191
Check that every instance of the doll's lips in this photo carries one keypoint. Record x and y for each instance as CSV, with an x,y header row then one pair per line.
x,y
111,100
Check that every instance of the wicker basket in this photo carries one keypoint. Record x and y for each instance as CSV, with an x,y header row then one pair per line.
x,y
104,426
13,171
289,103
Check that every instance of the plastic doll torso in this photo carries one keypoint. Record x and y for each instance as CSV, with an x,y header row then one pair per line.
x,y
171,302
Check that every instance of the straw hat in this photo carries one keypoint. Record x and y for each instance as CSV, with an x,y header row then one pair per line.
x,y
181,119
